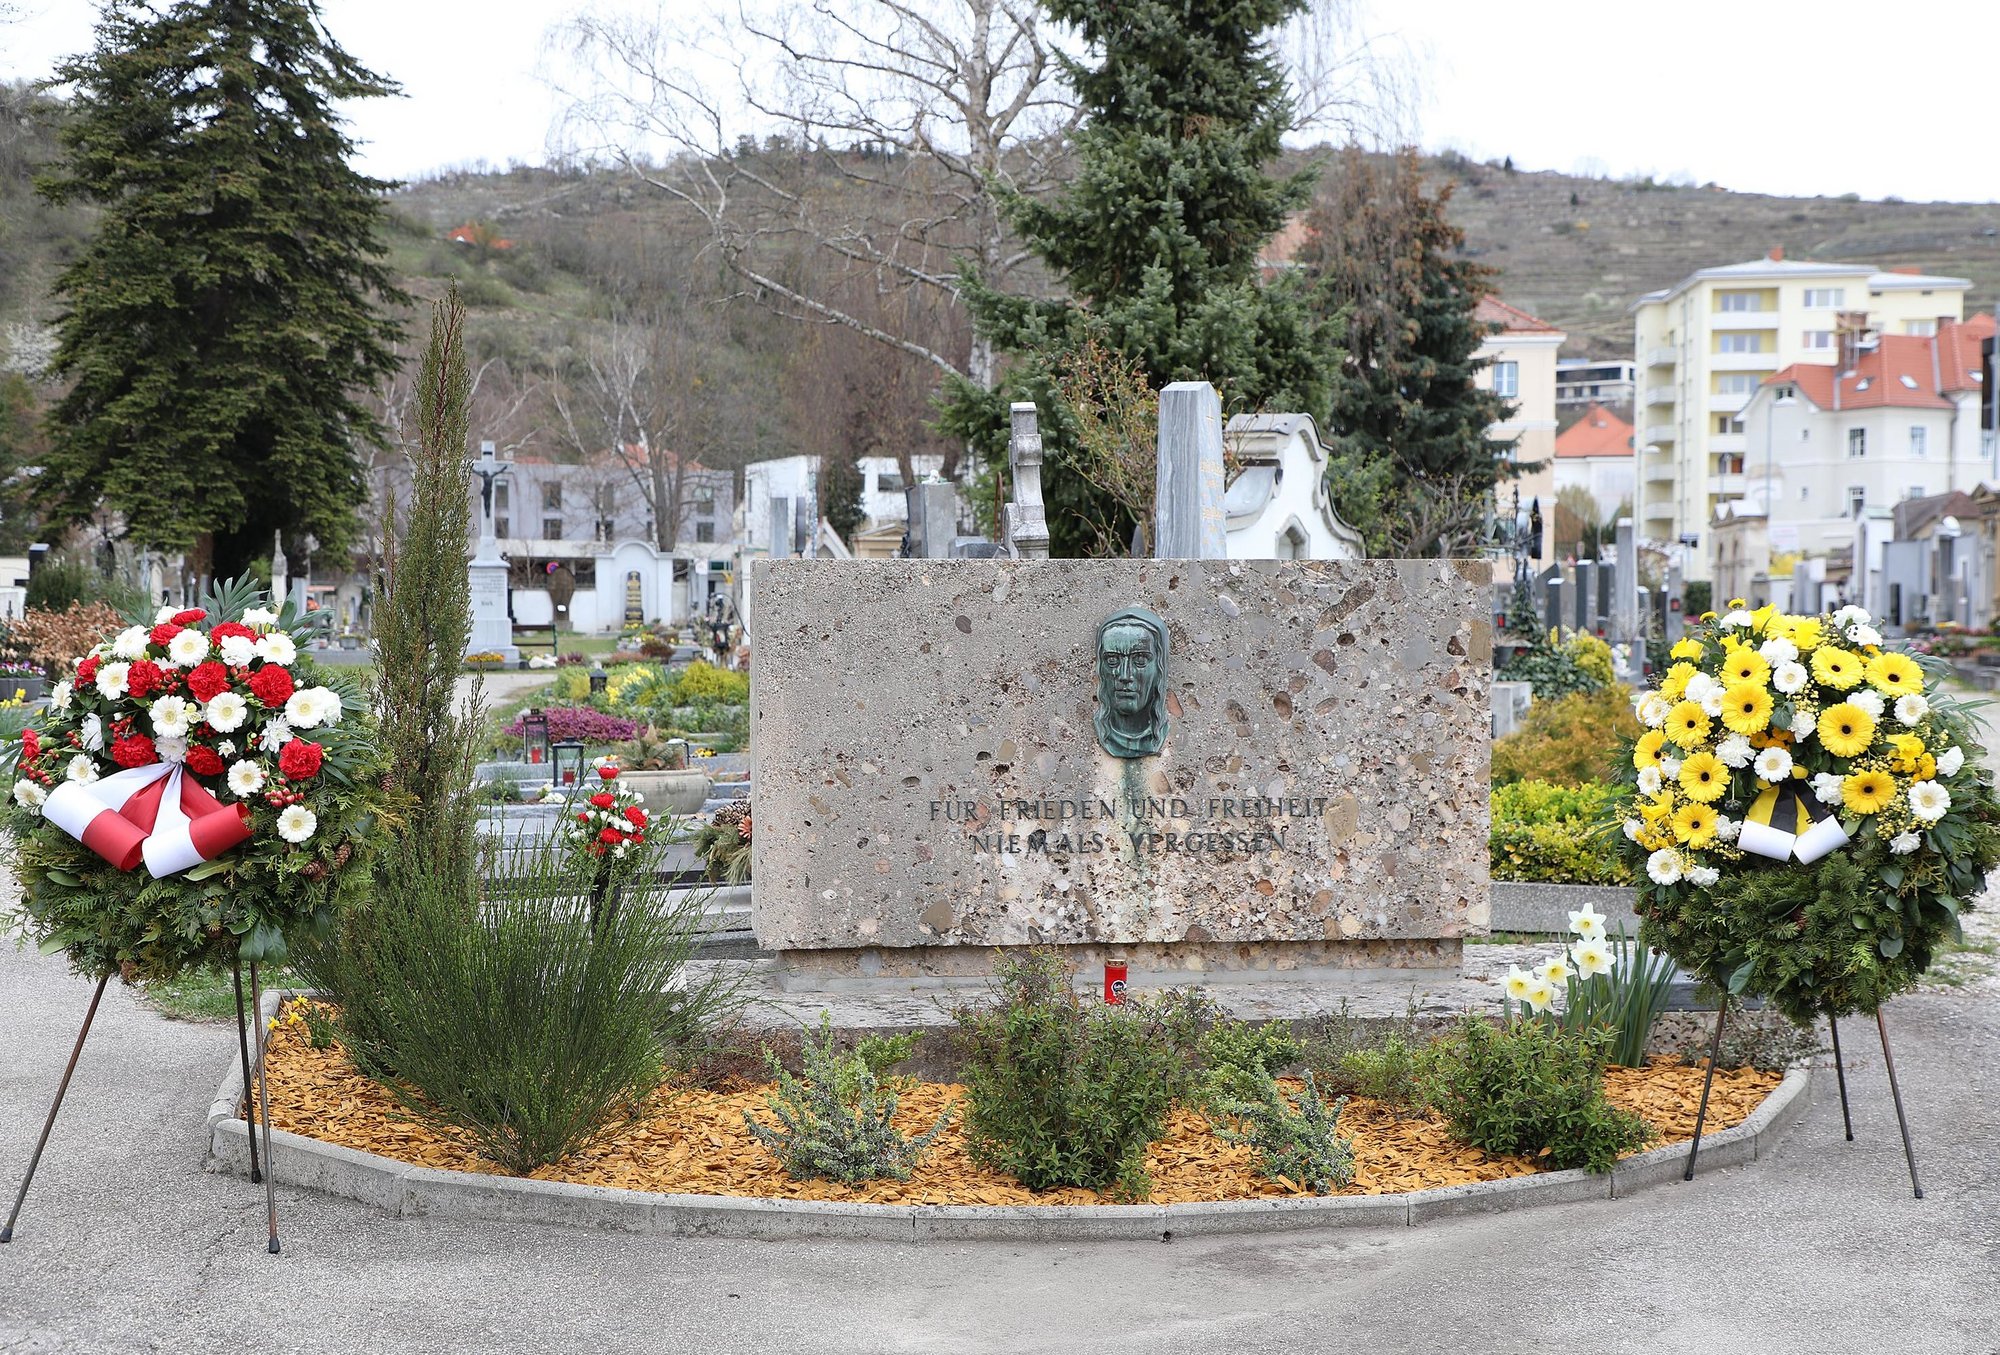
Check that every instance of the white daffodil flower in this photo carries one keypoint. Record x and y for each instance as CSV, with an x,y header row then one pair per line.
x,y
1518,982
1592,957
1555,970
1541,995
1587,922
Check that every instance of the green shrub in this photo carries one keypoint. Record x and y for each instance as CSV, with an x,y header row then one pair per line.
x,y
1569,740
835,1121
1298,1143
702,681
1376,1059
1559,669
1065,1092
1239,1057
571,685
1552,833
1530,1089
1387,1074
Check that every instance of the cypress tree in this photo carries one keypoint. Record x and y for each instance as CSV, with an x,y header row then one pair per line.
x,y
1157,237
219,325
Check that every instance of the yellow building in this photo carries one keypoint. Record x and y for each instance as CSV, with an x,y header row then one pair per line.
x,y
1705,345
1520,358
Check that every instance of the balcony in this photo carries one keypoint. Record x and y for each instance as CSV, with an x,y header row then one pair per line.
x,y
1728,442
1665,356
1658,432
1659,395
1743,362
1726,486
1743,320
1728,404
1659,470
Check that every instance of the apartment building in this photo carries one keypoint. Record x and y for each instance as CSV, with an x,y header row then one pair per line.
x,y
1707,344
1595,381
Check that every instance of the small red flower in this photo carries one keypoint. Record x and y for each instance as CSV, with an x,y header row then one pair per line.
x,y
163,633
207,681
229,628
604,799
583,818
299,760
610,837
204,761
190,616
86,672
608,773
31,745
143,679
134,751
272,684
635,815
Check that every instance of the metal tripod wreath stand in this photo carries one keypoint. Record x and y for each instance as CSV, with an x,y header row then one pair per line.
x,y
1840,1073
259,1110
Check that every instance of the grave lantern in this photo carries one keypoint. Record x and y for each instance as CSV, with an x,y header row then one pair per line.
x,y
535,737
598,678
568,758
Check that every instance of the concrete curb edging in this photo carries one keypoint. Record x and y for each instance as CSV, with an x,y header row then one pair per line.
x,y
416,1192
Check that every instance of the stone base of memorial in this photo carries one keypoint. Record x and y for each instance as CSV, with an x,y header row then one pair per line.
x,y
1191,766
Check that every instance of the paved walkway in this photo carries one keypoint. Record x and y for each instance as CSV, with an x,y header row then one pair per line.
x,y
126,1245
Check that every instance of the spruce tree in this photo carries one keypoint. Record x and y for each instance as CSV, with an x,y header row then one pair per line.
x,y
1156,238
220,324
1412,466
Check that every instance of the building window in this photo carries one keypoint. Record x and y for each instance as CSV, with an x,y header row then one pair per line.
x,y
705,507
1924,328
889,482
704,532
1805,493
502,500
1739,301
1857,499
551,498
1825,298
1736,383
551,529
1917,491
1818,338
1784,395
1729,463
1507,379
1739,343
1857,442
1726,424
503,527
1920,440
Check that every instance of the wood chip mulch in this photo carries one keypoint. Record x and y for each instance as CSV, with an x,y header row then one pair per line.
x,y
690,1141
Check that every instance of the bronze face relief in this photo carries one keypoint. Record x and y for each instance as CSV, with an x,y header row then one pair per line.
x,y
1131,714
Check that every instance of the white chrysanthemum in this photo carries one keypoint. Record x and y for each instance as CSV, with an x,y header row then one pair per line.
x,y
1904,843
82,767
188,648
131,643
1826,788
1739,617
297,823
246,778
1735,751
238,650
1670,767
1864,635
1950,761
1789,678
259,618
1663,867
277,647
276,735
1703,877
1541,995
1592,956
1929,801
1912,709
1701,686
225,748
1632,828
171,748
165,614
1518,982
28,795
1867,701
1803,724
111,680
1587,922
1652,710
1649,780
1774,764
1727,828
60,694
172,715
227,711
1778,650
91,733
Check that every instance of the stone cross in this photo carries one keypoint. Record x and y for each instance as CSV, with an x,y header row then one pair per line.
x,y
280,567
1188,518
1027,527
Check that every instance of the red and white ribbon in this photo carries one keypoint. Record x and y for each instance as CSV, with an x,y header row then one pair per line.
x,y
156,814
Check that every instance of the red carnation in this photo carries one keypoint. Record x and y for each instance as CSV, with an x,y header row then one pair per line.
x,y
143,678
272,684
229,628
204,761
31,745
189,617
583,818
604,799
134,751
635,815
207,681
299,760
163,633
608,773
610,837
86,672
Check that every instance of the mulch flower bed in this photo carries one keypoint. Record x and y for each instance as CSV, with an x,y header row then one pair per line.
x,y
691,1141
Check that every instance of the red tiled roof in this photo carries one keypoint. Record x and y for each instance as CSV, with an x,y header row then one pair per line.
x,y
1901,371
1598,433
1958,352
1493,311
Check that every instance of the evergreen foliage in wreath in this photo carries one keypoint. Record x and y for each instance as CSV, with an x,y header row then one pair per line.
x,y
197,789
1806,812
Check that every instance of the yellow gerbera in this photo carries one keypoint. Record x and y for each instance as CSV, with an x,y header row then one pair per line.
x,y
1687,724
1646,752
1676,680
1704,778
1746,706
1836,667
1695,825
1895,675
1846,730
1763,618
1803,631
1745,665
1868,792
1687,648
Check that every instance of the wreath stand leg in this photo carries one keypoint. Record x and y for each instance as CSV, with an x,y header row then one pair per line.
x,y
1902,1123
1840,1074
62,1089
243,1050
264,1104
1701,1112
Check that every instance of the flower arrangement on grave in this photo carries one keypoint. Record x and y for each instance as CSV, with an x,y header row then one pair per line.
x,y
197,788
1606,982
723,843
1806,811
611,820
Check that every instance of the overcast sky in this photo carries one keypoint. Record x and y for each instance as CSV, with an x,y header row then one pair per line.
x,y
1756,95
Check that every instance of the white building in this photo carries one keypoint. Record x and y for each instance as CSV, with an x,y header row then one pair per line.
x,y
792,481
1594,454
1586,381
1277,507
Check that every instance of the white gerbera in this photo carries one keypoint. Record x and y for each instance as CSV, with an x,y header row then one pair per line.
x,y
1912,709
91,733
111,680
1774,764
297,823
1663,867
310,707
1789,678
171,748
1867,701
1652,710
1703,877
59,695
172,715
29,795
82,767
1712,704
1929,801
131,643
1904,843
227,711
1592,957
1735,751
1952,759
246,778
1649,780
258,618
238,650
1778,650
276,735
277,647
188,648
